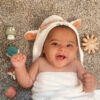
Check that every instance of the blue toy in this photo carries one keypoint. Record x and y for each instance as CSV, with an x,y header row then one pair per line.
x,y
12,50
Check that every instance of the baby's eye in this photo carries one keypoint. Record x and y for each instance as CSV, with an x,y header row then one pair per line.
x,y
69,45
54,43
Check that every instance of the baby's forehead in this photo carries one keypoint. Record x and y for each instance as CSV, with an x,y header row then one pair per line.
x,y
61,29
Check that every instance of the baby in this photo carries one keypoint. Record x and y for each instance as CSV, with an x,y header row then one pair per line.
x,y
58,74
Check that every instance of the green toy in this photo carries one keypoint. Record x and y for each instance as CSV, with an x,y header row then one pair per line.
x,y
10,32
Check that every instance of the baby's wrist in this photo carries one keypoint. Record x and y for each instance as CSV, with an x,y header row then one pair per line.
x,y
19,67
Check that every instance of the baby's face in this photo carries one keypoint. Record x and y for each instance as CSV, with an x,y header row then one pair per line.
x,y
60,47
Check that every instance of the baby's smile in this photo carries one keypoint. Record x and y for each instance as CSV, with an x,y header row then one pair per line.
x,y
60,57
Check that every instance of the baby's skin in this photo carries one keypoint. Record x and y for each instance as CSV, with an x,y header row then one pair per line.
x,y
25,80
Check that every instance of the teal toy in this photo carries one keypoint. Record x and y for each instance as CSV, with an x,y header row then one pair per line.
x,y
10,32
12,50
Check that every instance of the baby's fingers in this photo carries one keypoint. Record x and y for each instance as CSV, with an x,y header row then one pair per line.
x,y
22,57
17,57
14,57
87,75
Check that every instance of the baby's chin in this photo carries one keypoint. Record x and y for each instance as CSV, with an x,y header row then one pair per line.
x,y
59,64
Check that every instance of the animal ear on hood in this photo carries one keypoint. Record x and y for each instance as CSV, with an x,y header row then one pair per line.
x,y
31,35
76,23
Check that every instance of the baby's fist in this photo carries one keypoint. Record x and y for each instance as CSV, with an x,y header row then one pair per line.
x,y
89,82
18,60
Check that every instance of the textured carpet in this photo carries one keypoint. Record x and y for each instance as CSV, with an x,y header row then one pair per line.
x,y
27,15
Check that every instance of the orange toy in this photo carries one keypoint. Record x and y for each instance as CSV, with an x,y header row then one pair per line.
x,y
10,92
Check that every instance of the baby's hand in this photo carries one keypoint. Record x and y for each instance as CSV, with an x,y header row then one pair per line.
x,y
18,60
89,82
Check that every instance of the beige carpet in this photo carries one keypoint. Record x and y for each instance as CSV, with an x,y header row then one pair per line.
x,y
27,15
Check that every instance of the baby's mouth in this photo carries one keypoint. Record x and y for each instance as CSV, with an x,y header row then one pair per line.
x,y
60,57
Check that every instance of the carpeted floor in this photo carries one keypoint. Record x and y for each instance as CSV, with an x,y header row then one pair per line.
x,y
27,15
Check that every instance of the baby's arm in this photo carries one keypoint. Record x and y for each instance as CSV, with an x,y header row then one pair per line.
x,y
24,77
88,79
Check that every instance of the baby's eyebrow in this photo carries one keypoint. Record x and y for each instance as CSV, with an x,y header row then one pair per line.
x,y
53,40
71,41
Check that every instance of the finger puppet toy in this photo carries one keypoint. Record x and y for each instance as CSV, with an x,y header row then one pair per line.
x,y
90,44
10,32
10,92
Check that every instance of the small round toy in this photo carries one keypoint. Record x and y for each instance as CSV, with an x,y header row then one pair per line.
x,y
90,44
10,32
10,92
12,50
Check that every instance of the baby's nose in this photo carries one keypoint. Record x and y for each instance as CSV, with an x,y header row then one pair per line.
x,y
62,48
